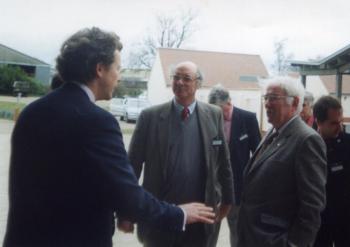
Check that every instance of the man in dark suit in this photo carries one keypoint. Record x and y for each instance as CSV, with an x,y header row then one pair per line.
x,y
243,136
284,181
69,170
180,144
335,224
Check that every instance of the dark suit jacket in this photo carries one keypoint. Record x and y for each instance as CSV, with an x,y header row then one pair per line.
x,y
149,146
245,137
69,173
284,190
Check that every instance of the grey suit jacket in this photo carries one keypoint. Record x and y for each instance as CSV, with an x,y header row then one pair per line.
x,y
284,190
149,147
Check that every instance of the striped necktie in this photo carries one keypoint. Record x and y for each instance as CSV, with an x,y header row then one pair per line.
x,y
185,113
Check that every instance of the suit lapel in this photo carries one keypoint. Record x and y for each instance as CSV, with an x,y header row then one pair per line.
x,y
236,127
252,159
277,144
206,128
164,134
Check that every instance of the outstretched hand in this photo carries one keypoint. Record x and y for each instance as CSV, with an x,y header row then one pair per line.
x,y
198,212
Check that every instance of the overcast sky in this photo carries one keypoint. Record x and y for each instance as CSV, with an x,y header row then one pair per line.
x,y
312,27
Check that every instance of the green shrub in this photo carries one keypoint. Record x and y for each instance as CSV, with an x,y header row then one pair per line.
x,y
10,74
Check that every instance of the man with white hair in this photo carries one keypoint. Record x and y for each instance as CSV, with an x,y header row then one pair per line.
x,y
284,182
306,112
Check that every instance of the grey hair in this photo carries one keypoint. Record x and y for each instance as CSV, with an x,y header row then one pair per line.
x,y
308,98
290,86
219,95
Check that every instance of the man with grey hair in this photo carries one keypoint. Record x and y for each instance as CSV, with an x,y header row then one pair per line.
x,y
284,182
306,113
243,136
181,147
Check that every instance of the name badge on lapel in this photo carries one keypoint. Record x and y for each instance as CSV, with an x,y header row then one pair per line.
x,y
245,136
335,167
217,142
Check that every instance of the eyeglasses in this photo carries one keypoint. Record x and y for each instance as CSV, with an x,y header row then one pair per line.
x,y
274,97
185,78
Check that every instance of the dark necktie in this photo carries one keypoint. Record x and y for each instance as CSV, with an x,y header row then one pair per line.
x,y
266,143
185,113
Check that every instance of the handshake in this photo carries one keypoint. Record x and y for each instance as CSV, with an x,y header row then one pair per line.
x,y
195,212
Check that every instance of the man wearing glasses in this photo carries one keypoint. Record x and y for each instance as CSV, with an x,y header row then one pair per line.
x,y
284,182
181,146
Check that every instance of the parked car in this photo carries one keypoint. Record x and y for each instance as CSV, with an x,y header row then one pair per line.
x,y
133,108
128,109
117,107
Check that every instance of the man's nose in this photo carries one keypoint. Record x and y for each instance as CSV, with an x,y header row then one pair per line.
x,y
180,81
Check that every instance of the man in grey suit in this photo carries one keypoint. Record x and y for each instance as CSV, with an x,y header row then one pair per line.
x,y
284,182
181,146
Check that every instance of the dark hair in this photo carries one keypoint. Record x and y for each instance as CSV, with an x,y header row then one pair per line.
x,y
80,54
322,105
56,81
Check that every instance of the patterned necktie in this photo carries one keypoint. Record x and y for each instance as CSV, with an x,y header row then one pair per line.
x,y
185,113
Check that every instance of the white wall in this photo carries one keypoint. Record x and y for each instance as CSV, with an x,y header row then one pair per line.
x,y
345,101
157,91
317,88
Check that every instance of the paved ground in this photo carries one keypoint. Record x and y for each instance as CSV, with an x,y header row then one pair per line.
x,y
120,239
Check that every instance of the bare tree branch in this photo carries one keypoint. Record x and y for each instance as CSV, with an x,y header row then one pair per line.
x,y
281,65
171,32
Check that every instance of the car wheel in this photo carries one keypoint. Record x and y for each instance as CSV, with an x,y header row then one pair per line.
x,y
121,118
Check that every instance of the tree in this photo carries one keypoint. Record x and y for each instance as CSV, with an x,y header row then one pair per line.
x,y
281,64
171,31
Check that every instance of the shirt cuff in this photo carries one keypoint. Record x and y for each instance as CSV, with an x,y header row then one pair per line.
x,y
185,218
291,244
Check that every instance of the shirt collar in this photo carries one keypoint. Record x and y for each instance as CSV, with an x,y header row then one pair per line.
x,y
88,91
284,126
231,114
179,107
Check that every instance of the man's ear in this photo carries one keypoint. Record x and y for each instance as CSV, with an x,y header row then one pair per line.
x,y
296,101
99,70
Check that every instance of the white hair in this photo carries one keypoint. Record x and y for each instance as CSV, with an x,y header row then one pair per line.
x,y
290,86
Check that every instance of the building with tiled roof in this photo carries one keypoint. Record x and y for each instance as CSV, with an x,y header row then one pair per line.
x,y
239,73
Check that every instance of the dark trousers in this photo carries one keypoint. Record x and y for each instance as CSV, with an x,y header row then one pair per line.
x,y
333,235
232,223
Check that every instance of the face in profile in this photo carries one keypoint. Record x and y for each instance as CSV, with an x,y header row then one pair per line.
x,y
332,126
306,112
109,76
278,110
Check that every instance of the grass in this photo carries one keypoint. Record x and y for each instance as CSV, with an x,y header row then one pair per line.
x,y
10,110
10,106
